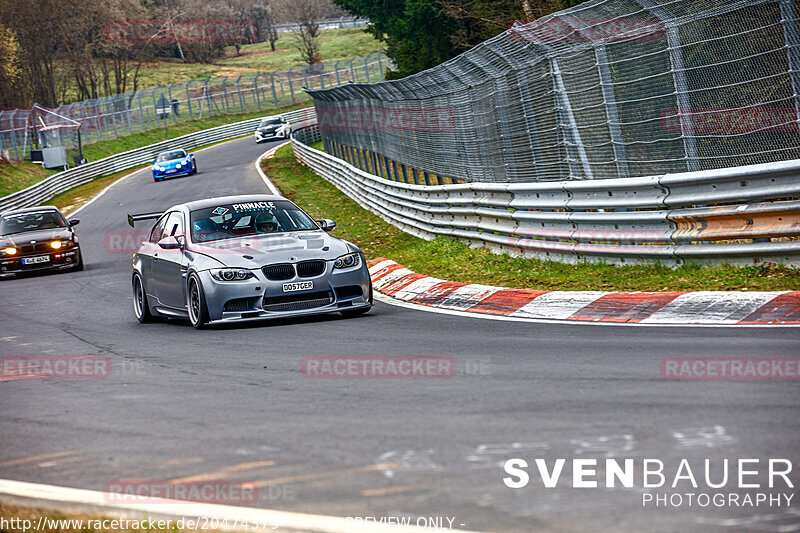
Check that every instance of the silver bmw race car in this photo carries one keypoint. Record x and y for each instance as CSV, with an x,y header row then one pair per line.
x,y
241,258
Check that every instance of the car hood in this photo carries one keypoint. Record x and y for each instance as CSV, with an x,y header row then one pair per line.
x,y
18,239
271,127
277,248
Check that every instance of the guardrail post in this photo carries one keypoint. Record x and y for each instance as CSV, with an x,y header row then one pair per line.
x,y
790,35
389,174
679,79
427,178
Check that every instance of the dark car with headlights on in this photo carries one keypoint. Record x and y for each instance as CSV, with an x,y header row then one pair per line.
x,y
36,239
272,128
240,258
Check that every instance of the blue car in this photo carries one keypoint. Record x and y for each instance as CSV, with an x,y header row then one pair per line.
x,y
173,163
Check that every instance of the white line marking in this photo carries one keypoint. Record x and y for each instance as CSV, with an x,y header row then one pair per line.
x,y
233,514
271,186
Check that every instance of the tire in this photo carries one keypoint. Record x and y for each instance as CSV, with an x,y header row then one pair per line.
x,y
194,168
140,306
196,302
79,266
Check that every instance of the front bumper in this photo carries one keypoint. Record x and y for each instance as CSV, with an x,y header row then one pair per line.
x,y
163,174
237,301
261,137
57,260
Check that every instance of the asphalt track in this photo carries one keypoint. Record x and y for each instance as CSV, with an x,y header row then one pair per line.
x,y
231,403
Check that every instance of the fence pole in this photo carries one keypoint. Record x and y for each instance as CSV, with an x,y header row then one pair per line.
x,y
225,94
239,91
274,94
790,35
291,86
336,68
380,64
366,67
679,79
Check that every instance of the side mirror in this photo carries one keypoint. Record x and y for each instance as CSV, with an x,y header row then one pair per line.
x,y
74,222
190,155
327,224
170,243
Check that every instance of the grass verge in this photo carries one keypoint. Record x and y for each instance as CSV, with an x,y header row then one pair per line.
x,y
450,259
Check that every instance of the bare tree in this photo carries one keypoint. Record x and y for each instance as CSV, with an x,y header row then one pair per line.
x,y
306,14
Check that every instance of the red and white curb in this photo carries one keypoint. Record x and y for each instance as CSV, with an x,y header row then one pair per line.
x,y
666,308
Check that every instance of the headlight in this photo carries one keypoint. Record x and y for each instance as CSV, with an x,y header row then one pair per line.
x,y
159,168
231,274
57,245
347,261
10,250
179,165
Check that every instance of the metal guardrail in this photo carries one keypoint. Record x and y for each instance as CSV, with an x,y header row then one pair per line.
x,y
63,181
658,218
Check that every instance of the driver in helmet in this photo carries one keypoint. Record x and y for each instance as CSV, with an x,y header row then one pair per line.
x,y
266,223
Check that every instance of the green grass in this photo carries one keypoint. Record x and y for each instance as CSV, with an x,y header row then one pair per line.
x,y
17,176
344,43
450,259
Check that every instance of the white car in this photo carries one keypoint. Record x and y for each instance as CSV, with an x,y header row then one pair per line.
x,y
272,128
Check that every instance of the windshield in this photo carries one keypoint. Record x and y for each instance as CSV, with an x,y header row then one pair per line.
x,y
228,221
169,156
270,122
31,222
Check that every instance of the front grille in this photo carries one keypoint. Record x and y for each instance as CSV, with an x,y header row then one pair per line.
x,y
34,248
297,301
280,272
309,269
239,304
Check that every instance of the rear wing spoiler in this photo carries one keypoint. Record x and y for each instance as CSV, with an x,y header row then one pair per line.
x,y
143,216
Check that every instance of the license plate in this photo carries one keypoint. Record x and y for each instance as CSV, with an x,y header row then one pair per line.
x,y
298,286
35,260
170,171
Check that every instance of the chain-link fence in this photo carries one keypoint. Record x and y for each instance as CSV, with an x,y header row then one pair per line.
x,y
122,114
607,89
325,24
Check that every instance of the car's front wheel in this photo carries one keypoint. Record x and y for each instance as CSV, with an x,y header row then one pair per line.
x,y
140,306
198,311
194,167
79,264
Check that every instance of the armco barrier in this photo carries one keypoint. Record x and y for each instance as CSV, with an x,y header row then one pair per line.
x,y
660,218
63,181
